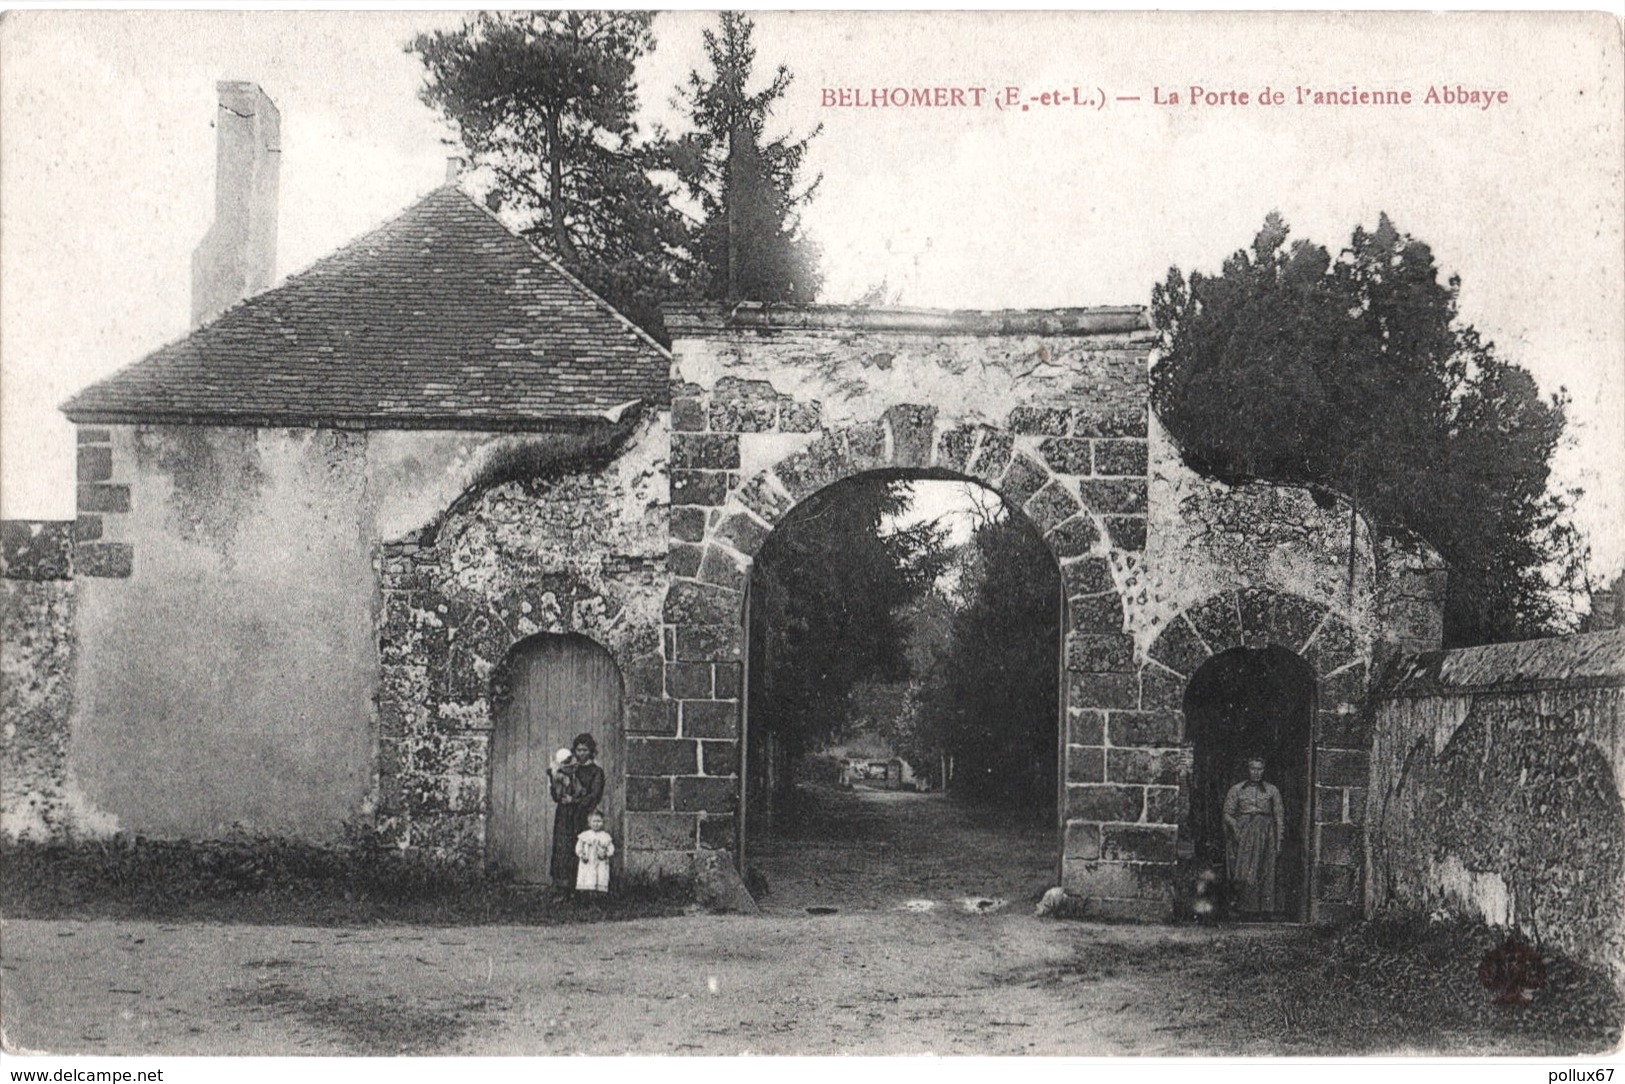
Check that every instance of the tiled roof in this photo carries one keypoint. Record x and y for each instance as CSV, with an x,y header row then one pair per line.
x,y
442,317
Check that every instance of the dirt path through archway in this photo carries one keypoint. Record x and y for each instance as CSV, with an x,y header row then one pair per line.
x,y
869,849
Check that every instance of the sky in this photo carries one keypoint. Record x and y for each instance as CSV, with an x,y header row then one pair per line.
x,y
107,156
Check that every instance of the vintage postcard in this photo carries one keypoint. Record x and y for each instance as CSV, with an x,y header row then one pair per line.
x,y
811,533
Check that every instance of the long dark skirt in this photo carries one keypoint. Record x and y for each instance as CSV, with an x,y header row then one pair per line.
x,y
570,822
1252,864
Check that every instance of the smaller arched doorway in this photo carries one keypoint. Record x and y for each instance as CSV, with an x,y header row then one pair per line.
x,y
1254,702
549,689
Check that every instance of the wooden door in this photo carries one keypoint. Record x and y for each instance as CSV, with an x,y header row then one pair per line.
x,y
557,687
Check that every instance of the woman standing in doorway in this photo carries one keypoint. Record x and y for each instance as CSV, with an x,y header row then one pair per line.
x,y
575,804
1254,824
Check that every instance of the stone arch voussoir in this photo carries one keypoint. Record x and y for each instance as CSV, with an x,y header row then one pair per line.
x,y
1080,482
1259,617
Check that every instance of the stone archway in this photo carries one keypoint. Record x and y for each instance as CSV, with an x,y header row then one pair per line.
x,y
1080,480
1006,751
1242,704
1341,736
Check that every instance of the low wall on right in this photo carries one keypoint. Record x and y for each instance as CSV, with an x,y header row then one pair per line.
x,y
1495,789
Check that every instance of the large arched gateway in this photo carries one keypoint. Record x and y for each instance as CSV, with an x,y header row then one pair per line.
x,y
1050,409
1047,409
902,731
514,460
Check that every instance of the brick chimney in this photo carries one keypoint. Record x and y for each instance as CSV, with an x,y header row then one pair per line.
x,y
237,257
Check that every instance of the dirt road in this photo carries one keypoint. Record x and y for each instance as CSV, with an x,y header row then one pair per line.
x,y
902,966
872,849
876,983
901,926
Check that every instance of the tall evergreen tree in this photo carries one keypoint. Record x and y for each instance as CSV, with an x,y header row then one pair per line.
x,y
750,246
994,693
546,101
829,595
1356,374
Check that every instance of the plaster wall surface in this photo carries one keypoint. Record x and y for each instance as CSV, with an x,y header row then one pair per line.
x,y
226,665
855,375
1495,789
414,476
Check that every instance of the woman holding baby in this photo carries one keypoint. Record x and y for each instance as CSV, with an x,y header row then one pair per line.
x,y
577,786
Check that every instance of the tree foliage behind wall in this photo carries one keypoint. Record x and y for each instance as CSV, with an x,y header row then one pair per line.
x,y
749,245
1355,374
546,100
827,594
994,692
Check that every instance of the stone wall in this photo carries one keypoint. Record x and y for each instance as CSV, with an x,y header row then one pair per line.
x,y
1495,789
542,539
298,630
1250,566
1257,617
1162,569
37,798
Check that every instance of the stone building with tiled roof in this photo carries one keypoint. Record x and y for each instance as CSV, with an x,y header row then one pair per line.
x,y
366,547
250,493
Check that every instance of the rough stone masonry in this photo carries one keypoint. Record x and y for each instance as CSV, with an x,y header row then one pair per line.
x,y
640,536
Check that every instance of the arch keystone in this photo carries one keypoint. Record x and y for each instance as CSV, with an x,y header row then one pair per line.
x,y
912,428
1270,617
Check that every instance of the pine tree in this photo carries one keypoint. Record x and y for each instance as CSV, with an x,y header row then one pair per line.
x,y
1356,375
546,101
995,694
829,597
750,246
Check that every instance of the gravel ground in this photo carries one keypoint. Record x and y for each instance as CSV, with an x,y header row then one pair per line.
x,y
921,938
863,983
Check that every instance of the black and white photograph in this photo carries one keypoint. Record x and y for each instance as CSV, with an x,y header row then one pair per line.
x,y
1058,535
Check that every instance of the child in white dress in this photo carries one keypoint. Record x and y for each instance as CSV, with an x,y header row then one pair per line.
x,y
593,849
